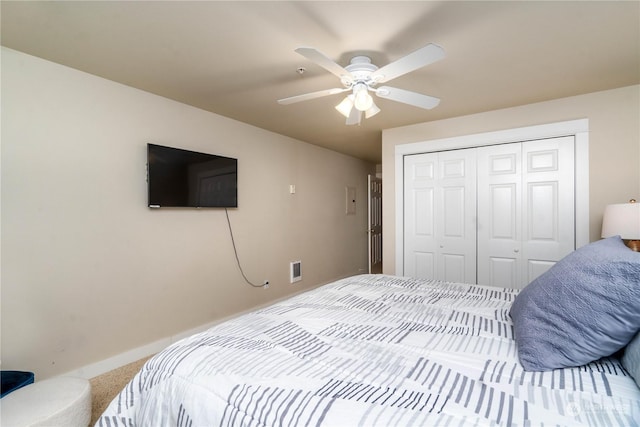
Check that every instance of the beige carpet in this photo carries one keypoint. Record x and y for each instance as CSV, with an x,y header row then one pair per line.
x,y
106,386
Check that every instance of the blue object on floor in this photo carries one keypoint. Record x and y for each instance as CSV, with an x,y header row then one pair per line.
x,y
13,380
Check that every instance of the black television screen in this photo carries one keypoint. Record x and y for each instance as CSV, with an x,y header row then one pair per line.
x,y
182,178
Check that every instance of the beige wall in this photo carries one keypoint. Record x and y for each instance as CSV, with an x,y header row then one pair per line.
x,y
89,272
614,148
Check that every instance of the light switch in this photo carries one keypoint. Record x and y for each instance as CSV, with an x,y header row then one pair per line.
x,y
350,200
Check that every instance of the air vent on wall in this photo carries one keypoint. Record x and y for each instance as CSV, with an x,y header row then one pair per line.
x,y
296,271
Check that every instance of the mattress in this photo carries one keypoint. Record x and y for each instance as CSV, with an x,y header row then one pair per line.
x,y
371,350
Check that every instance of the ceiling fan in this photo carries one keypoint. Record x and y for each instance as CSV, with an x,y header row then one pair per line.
x,y
361,77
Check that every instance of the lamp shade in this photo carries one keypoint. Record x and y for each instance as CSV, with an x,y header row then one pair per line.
x,y
623,220
372,111
345,106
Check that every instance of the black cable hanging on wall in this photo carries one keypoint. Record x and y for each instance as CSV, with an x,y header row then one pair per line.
x,y
235,251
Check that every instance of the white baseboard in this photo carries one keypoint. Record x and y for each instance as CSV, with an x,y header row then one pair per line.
x,y
119,360
106,365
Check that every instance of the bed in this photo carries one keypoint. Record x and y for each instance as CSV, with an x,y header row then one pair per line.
x,y
378,350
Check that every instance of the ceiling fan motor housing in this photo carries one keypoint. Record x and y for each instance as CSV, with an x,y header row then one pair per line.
x,y
361,69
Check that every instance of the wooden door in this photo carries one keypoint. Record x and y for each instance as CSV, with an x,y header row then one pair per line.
x,y
375,225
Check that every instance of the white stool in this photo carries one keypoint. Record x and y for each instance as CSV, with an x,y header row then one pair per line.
x,y
56,402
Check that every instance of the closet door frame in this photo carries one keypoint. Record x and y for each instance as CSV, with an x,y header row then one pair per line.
x,y
577,128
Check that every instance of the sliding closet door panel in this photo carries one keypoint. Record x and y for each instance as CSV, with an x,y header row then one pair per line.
x,y
423,199
543,225
503,271
536,268
419,212
453,201
499,215
439,234
423,265
549,209
502,201
455,216
525,209
453,268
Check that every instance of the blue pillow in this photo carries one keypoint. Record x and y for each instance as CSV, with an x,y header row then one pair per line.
x,y
631,359
585,307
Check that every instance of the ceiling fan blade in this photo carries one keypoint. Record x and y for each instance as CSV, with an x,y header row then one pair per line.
x,y
323,60
354,117
407,97
311,95
418,59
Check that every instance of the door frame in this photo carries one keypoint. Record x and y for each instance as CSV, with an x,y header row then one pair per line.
x,y
577,128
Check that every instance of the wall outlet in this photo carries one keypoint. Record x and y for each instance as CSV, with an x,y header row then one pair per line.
x,y
295,269
265,284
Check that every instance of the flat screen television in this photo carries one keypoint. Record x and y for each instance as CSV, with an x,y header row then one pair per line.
x,y
183,178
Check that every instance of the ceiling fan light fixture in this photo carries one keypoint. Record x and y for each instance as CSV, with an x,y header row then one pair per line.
x,y
345,106
362,101
372,111
361,77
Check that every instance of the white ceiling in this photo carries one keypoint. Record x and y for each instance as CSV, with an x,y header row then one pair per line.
x,y
237,58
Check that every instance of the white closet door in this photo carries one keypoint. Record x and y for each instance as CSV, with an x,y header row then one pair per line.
x,y
456,216
548,204
500,215
440,203
419,215
525,209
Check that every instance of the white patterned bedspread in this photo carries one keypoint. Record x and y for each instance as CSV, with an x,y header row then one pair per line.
x,y
370,350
